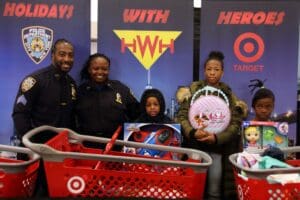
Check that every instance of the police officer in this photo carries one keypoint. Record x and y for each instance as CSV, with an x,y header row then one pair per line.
x,y
47,96
103,104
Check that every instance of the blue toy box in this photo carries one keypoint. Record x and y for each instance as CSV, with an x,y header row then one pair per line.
x,y
161,134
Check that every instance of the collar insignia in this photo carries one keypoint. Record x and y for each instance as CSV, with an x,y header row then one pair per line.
x,y
118,98
73,92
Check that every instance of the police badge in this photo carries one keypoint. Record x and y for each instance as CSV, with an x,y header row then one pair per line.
x,y
37,41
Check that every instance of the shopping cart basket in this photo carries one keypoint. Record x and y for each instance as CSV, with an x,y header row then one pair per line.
x,y
70,169
255,185
18,177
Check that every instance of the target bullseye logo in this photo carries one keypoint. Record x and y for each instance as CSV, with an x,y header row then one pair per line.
x,y
75,185
249,47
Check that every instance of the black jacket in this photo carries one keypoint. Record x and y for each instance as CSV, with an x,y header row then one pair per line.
x,y
102,108
45,97
161,118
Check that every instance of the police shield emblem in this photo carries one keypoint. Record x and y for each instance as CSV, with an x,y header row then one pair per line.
x,y
37,42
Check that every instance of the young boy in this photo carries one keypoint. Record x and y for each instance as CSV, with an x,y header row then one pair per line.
x,y
154,132
263,103
153,107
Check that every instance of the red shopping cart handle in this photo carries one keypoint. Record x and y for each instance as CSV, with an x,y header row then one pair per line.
x,y
110,145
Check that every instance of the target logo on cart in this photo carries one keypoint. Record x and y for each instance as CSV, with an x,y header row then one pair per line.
x,y
249,47
75,184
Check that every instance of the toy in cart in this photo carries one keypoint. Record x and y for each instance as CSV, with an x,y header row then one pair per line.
x,y
279,181
160,134
262,134
73,170
18,177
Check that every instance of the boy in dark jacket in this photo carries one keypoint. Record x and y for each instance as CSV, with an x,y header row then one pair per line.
x,y
153,107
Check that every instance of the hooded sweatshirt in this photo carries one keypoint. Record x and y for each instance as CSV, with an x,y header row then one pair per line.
x,y
161,117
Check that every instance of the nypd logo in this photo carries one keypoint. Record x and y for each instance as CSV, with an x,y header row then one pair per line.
x,y
37,41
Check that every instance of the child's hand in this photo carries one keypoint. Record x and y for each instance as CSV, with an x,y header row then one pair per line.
x,y
209,139
201,133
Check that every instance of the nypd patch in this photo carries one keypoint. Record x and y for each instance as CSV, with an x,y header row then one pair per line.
x,y
37,42
27,84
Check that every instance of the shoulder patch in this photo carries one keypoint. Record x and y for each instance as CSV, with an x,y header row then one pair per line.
x,y
27,84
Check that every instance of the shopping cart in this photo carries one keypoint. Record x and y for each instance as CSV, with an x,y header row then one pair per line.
x,y
70,169
255,186
18,177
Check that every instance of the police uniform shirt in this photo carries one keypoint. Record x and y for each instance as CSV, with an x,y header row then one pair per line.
x,y
46,97
102,108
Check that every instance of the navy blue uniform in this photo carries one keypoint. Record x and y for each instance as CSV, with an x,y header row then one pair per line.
x,y
45,97
102,108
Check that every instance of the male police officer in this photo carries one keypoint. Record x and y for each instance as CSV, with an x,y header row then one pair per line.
x,y
47,96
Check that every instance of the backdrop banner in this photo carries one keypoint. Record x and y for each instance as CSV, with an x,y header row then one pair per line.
x,y
150,44
260,40
28,30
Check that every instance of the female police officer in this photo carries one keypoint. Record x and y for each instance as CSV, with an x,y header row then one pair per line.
x,y
103,104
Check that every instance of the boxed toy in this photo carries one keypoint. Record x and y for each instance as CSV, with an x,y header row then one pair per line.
x,y
260,135
162,134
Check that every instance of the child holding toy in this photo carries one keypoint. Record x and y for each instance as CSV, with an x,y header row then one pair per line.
x,y
220,180
154,131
